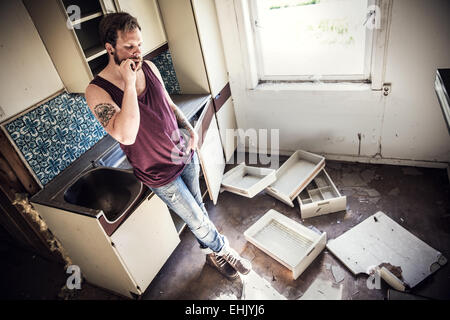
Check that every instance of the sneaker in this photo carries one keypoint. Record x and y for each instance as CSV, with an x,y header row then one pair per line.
x,y
236,261
221,265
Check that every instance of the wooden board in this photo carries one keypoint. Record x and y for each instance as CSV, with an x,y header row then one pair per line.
x,y
378,240
212,160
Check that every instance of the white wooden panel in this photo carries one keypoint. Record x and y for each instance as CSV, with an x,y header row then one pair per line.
x,y
28,75
211,43
61,42
147,14
184,45
226,120
287,241
378,240
212,160
146,240
88,246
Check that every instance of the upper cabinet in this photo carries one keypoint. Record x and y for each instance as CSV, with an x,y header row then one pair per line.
x,y
25,62
195,44
69,30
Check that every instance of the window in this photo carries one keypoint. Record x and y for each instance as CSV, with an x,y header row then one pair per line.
x,y
307,40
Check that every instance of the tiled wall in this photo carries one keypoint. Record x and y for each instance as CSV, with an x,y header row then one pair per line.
x,y
165,66
53,135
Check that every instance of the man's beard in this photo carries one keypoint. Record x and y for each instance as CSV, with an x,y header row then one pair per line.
x,y
119,61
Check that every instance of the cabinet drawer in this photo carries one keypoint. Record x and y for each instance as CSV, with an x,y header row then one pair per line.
x,y
294,175
287,241
320,197
247,181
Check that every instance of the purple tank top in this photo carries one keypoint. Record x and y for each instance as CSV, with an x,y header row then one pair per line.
x,y
158,155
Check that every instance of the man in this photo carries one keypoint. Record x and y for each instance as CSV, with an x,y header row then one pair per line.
x,y
129,99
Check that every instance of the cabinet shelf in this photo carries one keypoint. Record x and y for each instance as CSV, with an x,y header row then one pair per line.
x,y
94,52
87,17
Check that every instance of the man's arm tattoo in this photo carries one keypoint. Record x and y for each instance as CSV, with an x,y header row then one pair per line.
x,y
104,112
181,119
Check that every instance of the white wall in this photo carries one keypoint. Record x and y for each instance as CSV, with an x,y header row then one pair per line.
x,y
28,75
407,124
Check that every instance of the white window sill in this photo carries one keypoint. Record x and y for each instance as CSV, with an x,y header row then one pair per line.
x,y
313,86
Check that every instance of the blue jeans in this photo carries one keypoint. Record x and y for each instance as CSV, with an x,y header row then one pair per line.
x,y
183,196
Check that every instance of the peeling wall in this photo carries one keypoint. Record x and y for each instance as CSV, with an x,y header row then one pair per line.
x,y
407,124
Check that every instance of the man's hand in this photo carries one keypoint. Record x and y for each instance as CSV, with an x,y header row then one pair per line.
x,y
127,71
193,141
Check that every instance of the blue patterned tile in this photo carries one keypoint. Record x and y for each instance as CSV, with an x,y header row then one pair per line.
x,y
54,134
165,66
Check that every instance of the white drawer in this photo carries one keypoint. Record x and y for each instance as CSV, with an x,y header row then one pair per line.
x,y
320,197
294,175
247,181
287,241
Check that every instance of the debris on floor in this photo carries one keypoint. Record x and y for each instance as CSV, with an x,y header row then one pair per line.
x,y
338,273
322,290
257,288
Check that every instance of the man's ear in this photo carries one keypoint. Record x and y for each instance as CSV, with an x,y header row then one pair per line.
x,y
109,48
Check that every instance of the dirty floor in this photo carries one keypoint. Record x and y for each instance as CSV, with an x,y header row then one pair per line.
x,y
416,198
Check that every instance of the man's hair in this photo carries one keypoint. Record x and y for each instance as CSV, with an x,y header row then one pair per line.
x,y
113,22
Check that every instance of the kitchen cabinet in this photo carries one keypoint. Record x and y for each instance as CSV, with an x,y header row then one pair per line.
x,y
128,260
73,42
195,43
147,14
25,62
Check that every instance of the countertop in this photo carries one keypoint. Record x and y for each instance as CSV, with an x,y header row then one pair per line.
x,y
52,194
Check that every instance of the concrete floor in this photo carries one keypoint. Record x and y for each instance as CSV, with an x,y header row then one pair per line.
x,y
416,198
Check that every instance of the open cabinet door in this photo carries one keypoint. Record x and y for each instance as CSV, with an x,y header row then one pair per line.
x,y
210,151
214,59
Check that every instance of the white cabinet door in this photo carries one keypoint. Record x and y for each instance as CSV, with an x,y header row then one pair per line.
x,y
210,151
147,14
214,59
146,240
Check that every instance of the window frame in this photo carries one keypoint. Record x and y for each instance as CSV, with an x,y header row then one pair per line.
x,y
375,53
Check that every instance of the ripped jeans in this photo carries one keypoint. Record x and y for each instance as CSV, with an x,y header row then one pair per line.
x,y
183,196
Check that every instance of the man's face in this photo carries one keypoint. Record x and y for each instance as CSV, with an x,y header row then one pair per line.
x,y
128,46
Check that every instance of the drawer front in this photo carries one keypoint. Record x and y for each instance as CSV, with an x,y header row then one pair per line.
x,y
322,207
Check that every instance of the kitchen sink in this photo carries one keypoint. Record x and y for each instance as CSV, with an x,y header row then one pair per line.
x,y
111,190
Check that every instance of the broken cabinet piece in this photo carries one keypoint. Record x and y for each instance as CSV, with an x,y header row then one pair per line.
x,y
287,241
379,242
294,175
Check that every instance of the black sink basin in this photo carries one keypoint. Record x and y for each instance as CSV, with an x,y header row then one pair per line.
x,y
111,190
